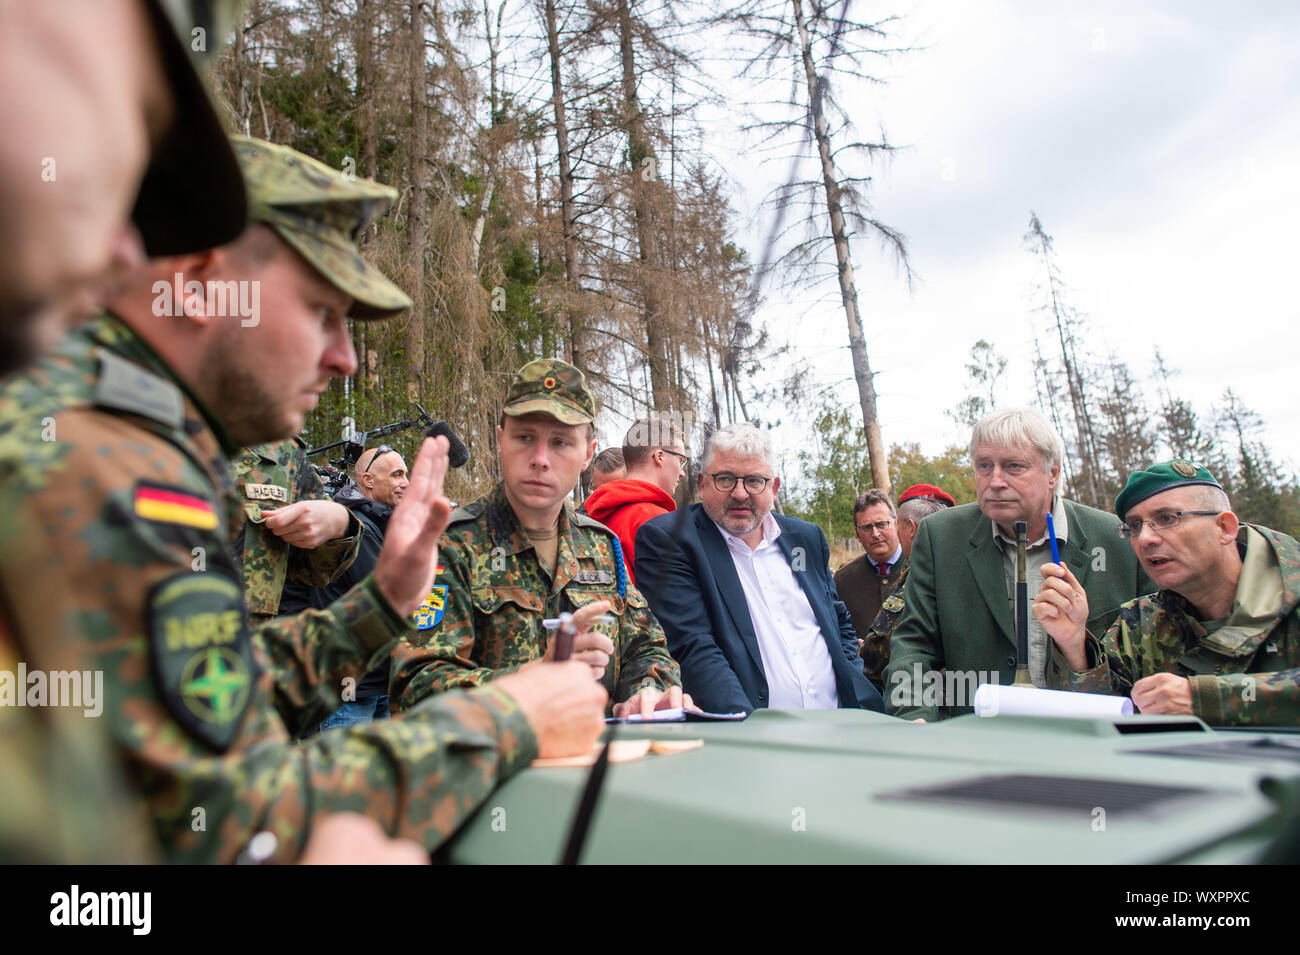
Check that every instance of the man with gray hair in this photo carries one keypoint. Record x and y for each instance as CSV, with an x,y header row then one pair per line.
x,y
960,613
746,597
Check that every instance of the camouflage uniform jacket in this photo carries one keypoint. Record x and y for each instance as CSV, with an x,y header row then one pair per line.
x,y
269,476
62,799
116,492
1256,682
494,594
875,644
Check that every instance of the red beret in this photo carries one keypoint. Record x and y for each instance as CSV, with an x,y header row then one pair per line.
x,y
928,492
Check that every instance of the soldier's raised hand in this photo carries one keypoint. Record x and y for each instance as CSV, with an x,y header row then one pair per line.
x,y
1061,606
409,558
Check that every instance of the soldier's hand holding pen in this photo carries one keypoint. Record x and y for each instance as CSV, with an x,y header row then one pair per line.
x,y
588,646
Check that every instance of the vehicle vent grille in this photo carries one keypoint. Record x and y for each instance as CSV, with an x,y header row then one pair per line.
x,y
1236,750
1065,795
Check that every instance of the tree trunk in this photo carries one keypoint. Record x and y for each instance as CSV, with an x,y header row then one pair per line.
x,y
366,86
839,234
417,226
644,174
579,341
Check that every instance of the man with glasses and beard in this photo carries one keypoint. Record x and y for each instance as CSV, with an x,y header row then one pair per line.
x,y
746,597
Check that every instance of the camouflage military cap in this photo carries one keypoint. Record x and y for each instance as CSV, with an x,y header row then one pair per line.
x,y
320,212
1161,477
554,387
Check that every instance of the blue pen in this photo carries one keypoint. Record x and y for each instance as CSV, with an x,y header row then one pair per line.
x,y
1051,536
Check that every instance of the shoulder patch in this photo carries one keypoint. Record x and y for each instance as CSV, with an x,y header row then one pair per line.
x,y
172,505
586,520
200,654
125,386
466,512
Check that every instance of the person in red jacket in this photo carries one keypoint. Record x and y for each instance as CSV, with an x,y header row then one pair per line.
x,y
654,451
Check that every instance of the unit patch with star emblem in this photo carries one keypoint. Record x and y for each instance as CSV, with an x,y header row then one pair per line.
x,y
200,654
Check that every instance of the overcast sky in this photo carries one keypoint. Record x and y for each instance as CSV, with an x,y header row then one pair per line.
x,y
1160,147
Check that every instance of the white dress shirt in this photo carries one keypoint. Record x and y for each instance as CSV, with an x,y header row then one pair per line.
x,y
796,661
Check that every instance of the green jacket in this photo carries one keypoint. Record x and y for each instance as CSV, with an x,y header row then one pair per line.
x,y
269,476
957,614
1255,681
492,594
116,505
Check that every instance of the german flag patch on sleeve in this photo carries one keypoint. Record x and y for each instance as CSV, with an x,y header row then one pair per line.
x,y
170,505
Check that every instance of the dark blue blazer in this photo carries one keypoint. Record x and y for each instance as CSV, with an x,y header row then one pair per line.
x,y
685,571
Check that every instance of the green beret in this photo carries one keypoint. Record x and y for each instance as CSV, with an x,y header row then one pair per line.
x,y
553,387
1161,477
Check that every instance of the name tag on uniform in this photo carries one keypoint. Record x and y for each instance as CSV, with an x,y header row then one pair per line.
x,y
593,577
266,492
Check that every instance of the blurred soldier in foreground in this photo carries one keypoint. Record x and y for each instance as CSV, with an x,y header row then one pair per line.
x,y
914,505
114,475
521,554
1220,639
91,93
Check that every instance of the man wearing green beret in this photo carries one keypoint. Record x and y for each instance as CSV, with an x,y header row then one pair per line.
x,y
522,554
1220,639
114,474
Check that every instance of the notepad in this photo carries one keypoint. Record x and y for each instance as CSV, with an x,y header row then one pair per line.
x,y
678,715
993,699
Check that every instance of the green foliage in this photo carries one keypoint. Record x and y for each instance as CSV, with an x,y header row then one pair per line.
x,y
950,470
835,470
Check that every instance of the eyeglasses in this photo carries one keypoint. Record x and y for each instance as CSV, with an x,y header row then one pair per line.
x,y
685,464
754,483
382,449
1162,522
880,526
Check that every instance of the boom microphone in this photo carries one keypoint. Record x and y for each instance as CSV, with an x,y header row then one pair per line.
x,y
457,453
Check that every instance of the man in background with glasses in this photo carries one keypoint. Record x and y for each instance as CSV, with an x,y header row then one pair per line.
x,y
746,597
1220,639
864,582
654,452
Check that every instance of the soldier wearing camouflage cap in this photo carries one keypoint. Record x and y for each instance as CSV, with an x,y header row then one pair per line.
x,y
116,478
1220,639
292,530
521,554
